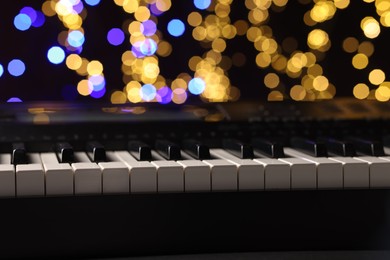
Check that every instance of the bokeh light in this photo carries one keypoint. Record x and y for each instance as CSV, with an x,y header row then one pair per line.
x,y
288,68
22,22
196,86
76,39
92,2
14,100
176,27
202,4
115,36
16,67
56,55
148,92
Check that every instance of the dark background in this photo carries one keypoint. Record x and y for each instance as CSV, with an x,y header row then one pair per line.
x,y
44,81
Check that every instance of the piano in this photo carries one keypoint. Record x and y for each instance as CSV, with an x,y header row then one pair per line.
x,y
155,127
239,189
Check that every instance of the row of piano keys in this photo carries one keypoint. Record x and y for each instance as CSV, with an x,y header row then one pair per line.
x,y
192,166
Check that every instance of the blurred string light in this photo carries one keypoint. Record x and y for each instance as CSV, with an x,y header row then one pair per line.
x,y
1,70
209,24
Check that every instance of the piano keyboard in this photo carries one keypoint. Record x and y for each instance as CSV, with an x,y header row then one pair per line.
x,y
249,178
168,168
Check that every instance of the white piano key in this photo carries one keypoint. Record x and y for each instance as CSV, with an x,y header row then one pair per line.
x,y
276,174
7,180
59,176
303,173
30,180
143,175
379,171
115,177
49,158
87,178
196,176
329,172
5,158
355,172
81,157
170,176
34,158
250,173
223,175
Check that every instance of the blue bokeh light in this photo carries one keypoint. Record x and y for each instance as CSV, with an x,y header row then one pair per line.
x,y
115,36
40,20
202,4
148,47
22,22
56,55
148,92
30,12
14,100
16,67
78,7
99,93
98,82
76,39
164,95
196,86
1,70
149,28
176,27
92,2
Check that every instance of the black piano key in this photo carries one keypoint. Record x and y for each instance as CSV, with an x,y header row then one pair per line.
x,y
308,146
64,152
339,147
238,148
140,150
367,146
168,149
96,151
196,149
268,147
18,154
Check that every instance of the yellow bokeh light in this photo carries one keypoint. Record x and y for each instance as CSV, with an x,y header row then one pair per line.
x,y
84,87
48,8
73,61
194,19
376,77
275,95
370,27
271,80
350,44
163,5
361,91
341,4
360,61
263,59
95,68
118,97
320,83
142,14
298,93
317,39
